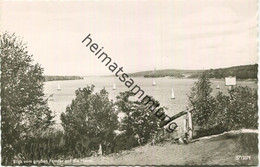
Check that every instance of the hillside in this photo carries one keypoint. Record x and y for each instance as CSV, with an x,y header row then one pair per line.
x,y
241,72
217,150
166,72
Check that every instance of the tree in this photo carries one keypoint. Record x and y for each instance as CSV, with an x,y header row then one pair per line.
x,y
89,120
243,108
138,119
24,111
202,101
219,113
218,121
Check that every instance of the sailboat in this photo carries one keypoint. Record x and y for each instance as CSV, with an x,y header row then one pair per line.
x,y
58,87
173,96
114,86
154,83
218,87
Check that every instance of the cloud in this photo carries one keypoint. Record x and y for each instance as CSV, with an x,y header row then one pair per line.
x,y
206,27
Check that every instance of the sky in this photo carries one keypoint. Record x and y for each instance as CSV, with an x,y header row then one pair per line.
x,y
138,35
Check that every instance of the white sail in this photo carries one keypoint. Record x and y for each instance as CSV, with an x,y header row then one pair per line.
x,y
154,83
173,96
114,86
58,87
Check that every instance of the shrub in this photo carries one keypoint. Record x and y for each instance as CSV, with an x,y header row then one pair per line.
x,y
243,110
89,120
220,113
138,121
202,101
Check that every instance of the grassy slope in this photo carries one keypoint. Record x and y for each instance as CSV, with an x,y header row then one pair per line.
x,y
215,151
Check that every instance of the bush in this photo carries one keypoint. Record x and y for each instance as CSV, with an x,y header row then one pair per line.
x,y
138,121
220,113
88,121
202,101
243,110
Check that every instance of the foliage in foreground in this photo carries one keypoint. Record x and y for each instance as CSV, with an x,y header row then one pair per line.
x,y
89,121
24,112
138,119
219,113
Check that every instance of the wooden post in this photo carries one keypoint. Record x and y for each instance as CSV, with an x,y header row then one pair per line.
x,y
189,124
185,124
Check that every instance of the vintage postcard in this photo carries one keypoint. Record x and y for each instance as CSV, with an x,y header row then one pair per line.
x,y
134,82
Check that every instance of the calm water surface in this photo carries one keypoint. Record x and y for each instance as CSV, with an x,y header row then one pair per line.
x,y
161,92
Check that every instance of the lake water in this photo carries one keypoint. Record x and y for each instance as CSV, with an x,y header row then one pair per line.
x,y
161,92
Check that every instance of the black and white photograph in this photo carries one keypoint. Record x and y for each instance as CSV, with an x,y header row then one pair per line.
x,y
129,82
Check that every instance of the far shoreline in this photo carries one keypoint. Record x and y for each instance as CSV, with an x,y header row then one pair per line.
x,y
166,77
48,78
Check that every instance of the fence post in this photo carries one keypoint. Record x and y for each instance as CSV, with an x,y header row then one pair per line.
x,y
185,124
189,124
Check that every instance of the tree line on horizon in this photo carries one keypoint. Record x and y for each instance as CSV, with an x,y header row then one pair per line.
x,y
60,78
240,72
176,75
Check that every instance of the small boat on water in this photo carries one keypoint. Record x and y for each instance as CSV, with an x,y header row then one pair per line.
x,y
173,96
154,83
58,89
114,86
218,87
